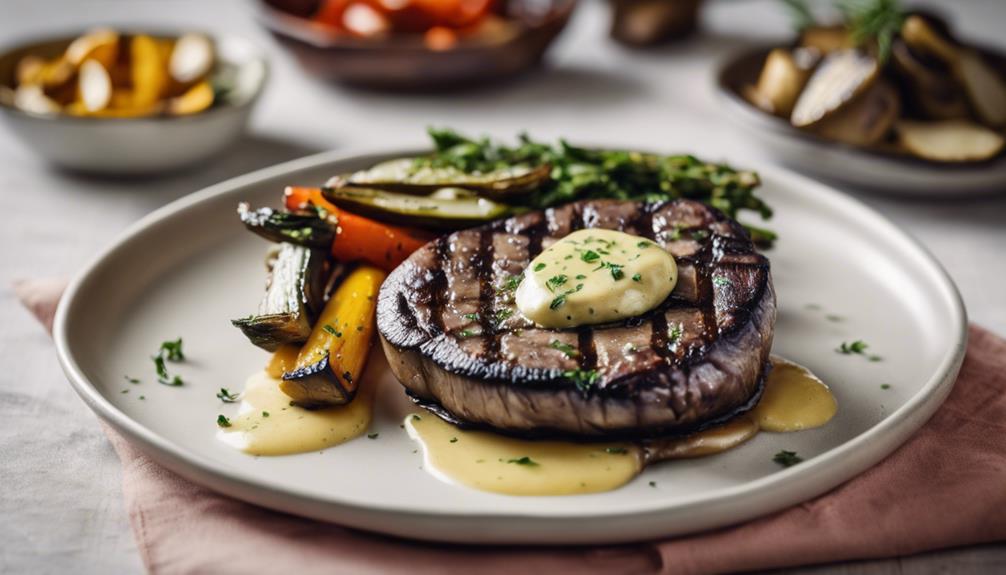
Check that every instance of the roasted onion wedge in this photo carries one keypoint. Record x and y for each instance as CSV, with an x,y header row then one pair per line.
x,y
292,299
406,176
984,86
949,141
839,79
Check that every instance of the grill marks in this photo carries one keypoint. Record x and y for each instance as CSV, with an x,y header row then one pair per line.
x,y
713,252
484,273
438,285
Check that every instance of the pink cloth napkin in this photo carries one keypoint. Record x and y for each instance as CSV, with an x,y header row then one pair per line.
x,y
945,487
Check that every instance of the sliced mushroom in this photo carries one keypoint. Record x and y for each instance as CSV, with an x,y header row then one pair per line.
x,y
949,141
984,86
840,78
923,37
866,120
780,83
930,91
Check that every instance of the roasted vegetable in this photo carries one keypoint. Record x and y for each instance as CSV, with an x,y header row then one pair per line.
x,y
424,211
293,298
838,80
359,238
297,228
930,90
409,176
330,364
984,86
866,120
826,39
949,141
780,83
581,173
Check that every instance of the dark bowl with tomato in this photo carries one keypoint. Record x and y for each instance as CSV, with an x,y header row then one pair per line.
x,y
416,44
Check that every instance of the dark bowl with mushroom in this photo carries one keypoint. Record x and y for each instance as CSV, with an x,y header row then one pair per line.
x,y
924,116
415,44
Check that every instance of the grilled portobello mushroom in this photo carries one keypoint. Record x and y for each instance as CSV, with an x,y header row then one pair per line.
x,y
454,339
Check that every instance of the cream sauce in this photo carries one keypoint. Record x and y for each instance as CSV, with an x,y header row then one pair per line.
x,y
492,462
266,423
595,276
794,399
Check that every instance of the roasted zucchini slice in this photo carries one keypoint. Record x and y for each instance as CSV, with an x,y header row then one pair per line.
x,y
410,176
434,211
301,229
293,297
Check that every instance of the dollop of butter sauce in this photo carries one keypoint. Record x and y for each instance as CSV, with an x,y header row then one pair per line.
x,y
595,276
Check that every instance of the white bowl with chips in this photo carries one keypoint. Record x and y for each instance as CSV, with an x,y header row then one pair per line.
x,y
124,141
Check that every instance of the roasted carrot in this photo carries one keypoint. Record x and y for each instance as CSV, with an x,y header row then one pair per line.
x,y
329,366
359,238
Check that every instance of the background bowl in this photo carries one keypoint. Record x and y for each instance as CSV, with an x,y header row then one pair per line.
x,y
135,146
403,61
886,171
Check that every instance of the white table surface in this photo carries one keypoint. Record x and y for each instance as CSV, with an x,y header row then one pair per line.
x,y
60,501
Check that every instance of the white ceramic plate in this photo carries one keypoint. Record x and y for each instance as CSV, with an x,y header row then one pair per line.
x,y
188,268
887,172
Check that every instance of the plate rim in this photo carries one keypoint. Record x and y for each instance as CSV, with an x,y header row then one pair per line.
x,y
898,426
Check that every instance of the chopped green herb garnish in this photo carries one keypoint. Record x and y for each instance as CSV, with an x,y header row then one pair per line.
x,y
510,284
471,316
454,440
373,435
722,281
222,421
226,396
616,450
132,380
885,386
557,301
503,314
637,277
539,266
416,417
523,461
644,244
616,271
565,348
468,333
172,350
581,277
584,379
787,458
331,330
832,317
857,347
265,414
653,484
555,281
124,391
160,368
674,333
590,256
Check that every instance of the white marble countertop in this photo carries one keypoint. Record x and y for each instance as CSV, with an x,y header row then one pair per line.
x,y
61,503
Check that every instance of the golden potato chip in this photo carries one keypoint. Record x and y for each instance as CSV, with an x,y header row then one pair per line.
x,y
149,71
101,45
193,101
